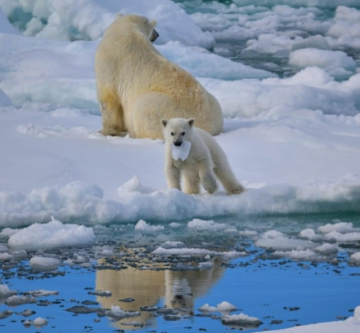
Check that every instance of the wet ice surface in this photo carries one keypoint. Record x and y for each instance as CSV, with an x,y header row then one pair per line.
x,y
119,282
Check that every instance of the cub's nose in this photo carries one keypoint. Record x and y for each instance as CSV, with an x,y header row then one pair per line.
x,y
177,144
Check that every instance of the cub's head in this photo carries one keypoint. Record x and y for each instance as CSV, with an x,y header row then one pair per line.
x,y
177,130
146,26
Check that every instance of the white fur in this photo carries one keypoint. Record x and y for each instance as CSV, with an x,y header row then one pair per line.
x,y
137,86
205,163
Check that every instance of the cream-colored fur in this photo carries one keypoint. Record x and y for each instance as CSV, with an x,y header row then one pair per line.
x,y
137,86
205,162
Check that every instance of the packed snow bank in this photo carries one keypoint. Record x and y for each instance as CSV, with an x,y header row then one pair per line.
x,y
88,19
350,325
85,203
5,25
4,99
51,235
337,63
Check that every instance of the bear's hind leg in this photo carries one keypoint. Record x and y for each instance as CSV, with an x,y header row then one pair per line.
x,y
228,180
112,113
207,178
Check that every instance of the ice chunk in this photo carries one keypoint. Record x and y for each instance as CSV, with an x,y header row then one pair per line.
x,y
221,307
52,235
203,225
118,313
241,320
44,263
144,227
337,63
39,322
19,300
5,291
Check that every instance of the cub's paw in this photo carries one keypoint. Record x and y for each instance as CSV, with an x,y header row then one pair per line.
x,y
210,186
236,189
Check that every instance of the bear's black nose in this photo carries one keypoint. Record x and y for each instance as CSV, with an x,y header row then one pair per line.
x,y
177,144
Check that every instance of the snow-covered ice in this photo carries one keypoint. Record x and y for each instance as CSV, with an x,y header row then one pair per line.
x,y
44,263
51,235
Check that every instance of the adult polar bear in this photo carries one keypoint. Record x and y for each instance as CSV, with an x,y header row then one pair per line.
x,y
137,86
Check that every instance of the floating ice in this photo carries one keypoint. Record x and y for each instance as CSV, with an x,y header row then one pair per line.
x,y
39,322
278,241
42,293
118,313
339,226
44,263
221,307
337,63
5,291
355,259
241,320
19,300
327,248
51,235
181,152
202,225
144,227
196,252
89,19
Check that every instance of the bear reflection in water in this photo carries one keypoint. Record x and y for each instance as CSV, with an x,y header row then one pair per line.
x,y
171,289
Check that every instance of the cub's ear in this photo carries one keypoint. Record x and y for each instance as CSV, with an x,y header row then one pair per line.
x,y
153,23
164,122
191,121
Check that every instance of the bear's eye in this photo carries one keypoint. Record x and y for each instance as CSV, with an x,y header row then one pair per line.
x,y
172,133
183,133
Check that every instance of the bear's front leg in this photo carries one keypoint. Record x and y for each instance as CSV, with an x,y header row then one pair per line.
x,y
172,177
191,181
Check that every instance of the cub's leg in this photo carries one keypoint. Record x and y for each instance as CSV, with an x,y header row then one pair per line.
x,y
172,176
191,181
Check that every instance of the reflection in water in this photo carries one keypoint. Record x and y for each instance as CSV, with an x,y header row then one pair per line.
x,y
177,289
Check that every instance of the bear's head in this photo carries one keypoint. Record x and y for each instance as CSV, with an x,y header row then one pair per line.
x,y
146,26
177,130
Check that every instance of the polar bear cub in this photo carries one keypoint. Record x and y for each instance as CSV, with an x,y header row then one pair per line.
x,y
193,154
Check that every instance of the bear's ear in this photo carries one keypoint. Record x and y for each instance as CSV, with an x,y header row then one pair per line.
x,y
118,15
164,122
153,23
191,122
